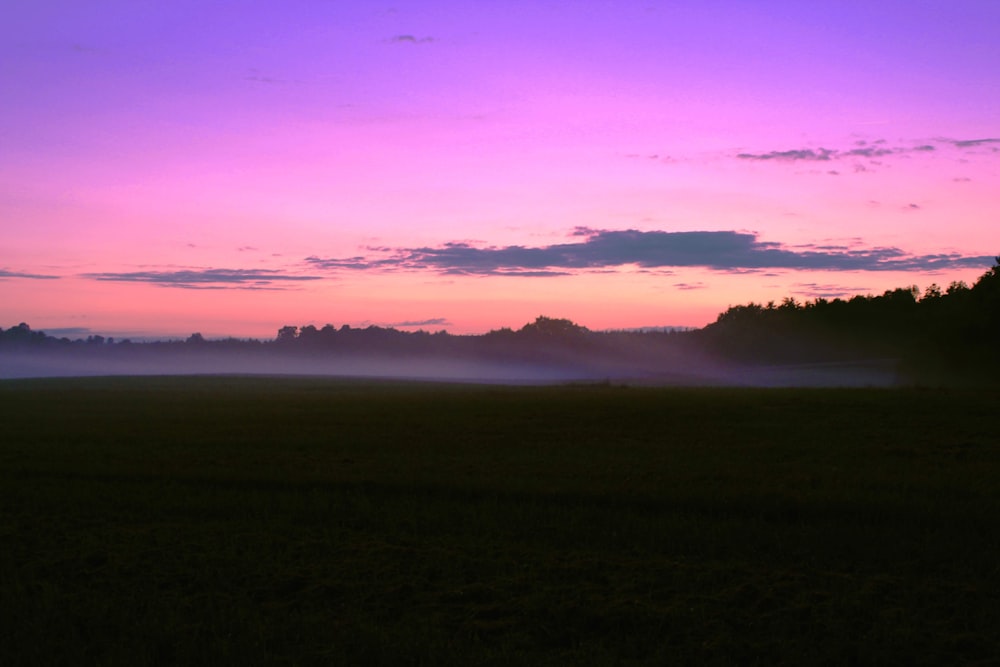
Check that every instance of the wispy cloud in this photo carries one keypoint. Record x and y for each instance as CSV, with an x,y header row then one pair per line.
x,y
411,39
256,75
432,322
248,279
864,150
601,250
826,290
4,274
870,152
972,143
860,155
809,154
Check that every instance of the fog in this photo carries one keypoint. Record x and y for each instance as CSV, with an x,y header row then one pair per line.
x,y
37,365
689,369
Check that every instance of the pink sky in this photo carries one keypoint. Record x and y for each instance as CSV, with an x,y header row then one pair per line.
x,y
171,167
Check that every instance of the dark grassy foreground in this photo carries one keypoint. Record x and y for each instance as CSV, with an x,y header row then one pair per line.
x,y
303,521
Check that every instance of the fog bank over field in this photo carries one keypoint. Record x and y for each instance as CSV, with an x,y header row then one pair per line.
x,y
701,372
54,365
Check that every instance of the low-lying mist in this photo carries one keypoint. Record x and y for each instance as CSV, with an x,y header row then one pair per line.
x,y
689,370
55,365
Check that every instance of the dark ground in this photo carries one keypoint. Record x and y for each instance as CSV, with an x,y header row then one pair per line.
x,y
197,520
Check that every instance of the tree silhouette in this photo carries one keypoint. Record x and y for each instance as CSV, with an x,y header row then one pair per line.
x,y
553,328
287,334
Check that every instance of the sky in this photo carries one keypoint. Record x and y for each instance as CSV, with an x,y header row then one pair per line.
x,y
229,168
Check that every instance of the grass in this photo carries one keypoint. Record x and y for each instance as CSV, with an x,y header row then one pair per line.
x,y
208,520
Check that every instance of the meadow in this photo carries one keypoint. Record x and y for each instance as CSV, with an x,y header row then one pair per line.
x,y
297,521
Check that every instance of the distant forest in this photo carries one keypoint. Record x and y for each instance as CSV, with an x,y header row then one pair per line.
x,y
939,332
953,329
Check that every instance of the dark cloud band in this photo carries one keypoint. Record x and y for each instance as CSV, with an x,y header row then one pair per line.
x,y
29,276
411,39
973,143
602,250
431,322
869,150
808,154
206,278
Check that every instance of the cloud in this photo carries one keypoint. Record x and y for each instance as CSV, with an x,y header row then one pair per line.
x,y
432,322
357,262
594,250
689,286
860,155
263,79
972,143
410,39
822,154
868,151
250,279
826,291
871,151
256,75
457,258
4,274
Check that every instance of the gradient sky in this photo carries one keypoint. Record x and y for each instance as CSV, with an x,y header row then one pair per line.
x,y
230,167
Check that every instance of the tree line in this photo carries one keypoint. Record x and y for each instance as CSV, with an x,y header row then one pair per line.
x,y
956,327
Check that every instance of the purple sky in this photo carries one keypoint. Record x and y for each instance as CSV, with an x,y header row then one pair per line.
x,y
169,167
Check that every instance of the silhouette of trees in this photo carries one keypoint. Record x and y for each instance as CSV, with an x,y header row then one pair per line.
x,y
553,328
287,334
22,335
956,328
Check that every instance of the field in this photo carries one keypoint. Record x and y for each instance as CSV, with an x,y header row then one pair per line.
x,y
220,520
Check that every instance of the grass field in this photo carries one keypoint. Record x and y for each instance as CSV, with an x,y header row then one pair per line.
x,y
220,520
